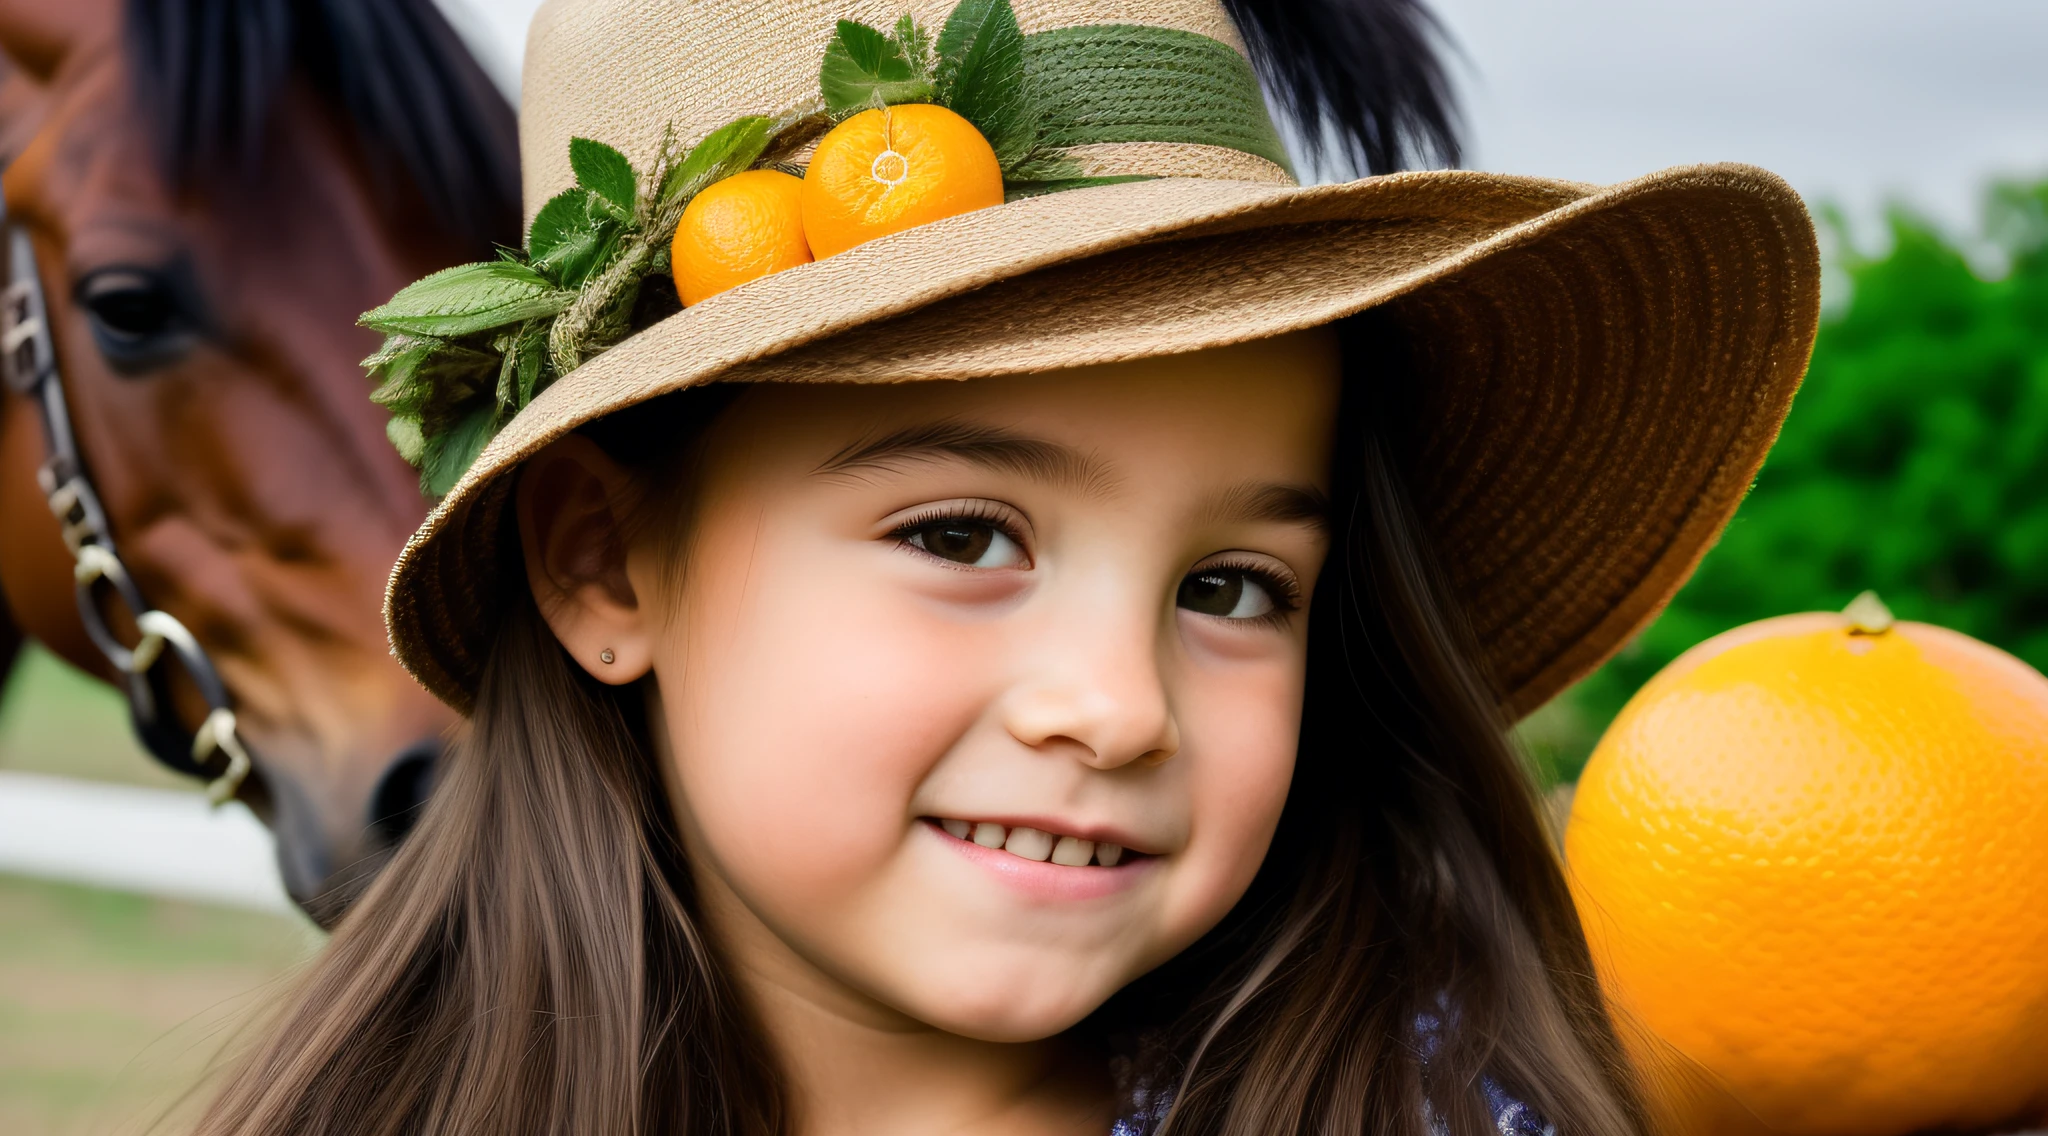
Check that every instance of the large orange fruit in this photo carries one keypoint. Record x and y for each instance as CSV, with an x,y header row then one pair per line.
x,y
1811,856
886,170
737,229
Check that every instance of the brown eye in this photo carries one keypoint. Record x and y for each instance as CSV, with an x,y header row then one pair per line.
x,y
962,540
139,319
1226,593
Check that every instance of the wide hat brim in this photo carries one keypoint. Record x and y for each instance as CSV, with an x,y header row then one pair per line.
x,y
1600,370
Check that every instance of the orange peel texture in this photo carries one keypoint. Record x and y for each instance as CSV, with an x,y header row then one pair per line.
x,y
738,229
1812,859
886,170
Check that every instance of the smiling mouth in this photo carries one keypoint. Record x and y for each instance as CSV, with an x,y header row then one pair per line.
x,y
1035,844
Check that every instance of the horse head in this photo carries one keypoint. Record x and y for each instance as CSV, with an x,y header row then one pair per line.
x,y
214,190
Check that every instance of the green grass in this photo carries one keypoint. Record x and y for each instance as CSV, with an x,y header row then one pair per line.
x,y
56,719
112,1006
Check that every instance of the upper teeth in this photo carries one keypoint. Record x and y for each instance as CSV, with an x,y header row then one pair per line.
x,y
1032,844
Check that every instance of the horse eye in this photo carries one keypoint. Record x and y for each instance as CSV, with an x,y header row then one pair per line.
x,y
137,317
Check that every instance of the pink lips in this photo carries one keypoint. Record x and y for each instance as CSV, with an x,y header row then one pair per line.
x,y
1044,879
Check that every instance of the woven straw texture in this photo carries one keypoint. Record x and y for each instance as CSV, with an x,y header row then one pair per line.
x,y
623,71
1600,369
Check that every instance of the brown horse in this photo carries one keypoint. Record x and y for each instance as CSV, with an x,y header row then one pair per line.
x,y
215,189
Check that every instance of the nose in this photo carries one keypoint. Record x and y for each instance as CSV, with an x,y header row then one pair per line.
x,y
401,793
1096,688
328,863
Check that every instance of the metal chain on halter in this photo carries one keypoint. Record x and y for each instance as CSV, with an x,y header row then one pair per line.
x,y
28,363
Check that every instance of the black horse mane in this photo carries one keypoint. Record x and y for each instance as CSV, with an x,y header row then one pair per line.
x,y
1362,79
211,71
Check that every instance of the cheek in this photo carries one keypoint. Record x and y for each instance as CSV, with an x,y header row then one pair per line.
x,y
804,708
1241,731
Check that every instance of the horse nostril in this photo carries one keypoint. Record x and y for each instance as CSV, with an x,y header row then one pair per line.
x,y
402,792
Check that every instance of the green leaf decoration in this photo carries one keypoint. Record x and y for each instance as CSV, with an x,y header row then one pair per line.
x,y
406,439
916,45
447,456
467,299
397,359
533,354
524,350
469,347
395,348
420,375
573,237
981,76
873,52
403,390
605,172
507,391
560,219
865,68
575,261
725,152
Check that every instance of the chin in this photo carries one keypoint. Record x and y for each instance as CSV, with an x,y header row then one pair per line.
x,y
1009,1009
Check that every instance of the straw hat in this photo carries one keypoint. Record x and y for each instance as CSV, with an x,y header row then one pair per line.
x,y
1603,367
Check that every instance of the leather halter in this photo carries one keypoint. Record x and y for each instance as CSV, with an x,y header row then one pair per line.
x,y
28,364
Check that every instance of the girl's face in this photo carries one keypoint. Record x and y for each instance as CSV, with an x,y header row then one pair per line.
x,y
979,700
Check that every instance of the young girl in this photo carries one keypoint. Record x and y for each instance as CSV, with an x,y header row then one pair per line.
x,y
1112,743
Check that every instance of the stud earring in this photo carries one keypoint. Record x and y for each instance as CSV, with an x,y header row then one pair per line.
x,y
606,656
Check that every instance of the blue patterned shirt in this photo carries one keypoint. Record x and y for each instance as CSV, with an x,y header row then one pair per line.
x,y
1510,1116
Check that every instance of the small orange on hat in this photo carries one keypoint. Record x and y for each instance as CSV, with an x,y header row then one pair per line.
x,y
738,229
890,169
1600,369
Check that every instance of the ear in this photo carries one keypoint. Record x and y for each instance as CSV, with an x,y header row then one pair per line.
x,y
572,506
38,34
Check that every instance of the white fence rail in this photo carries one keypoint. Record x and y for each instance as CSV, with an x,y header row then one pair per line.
x,y
132,839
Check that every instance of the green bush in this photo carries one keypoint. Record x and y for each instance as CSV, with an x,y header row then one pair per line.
x,y
1914,462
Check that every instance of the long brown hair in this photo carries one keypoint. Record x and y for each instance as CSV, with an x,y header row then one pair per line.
x,y
1410,935
532,960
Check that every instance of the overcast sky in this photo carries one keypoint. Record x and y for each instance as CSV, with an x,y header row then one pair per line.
x,y
1857,102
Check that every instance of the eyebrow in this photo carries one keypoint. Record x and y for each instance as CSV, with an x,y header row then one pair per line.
x,y
987,446
1057,464
1273,502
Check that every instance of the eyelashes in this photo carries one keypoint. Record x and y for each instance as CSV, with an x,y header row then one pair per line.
x,y
976,511
986,535
1219,588
977,534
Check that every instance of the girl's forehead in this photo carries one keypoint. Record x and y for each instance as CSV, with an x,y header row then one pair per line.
x,y
1268,400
